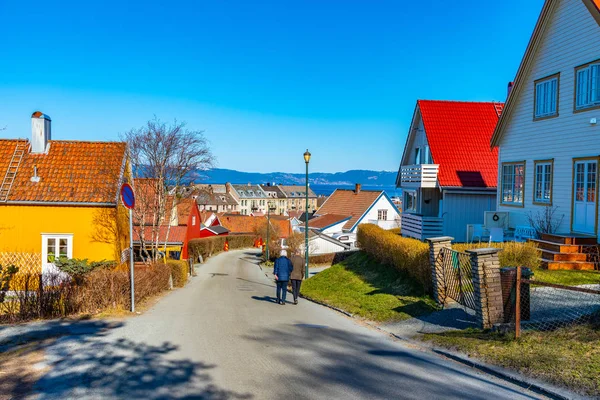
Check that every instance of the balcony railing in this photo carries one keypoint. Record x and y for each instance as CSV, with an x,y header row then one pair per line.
x,y
416,176
420,227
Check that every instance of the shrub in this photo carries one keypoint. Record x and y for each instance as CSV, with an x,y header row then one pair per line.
x,y
6,275
513,253
179,272
408,255
321,259
207,247
76,267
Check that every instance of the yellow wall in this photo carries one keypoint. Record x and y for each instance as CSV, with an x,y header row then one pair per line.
x,y
94,229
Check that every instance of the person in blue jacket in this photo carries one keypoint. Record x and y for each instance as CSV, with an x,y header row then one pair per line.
x,y
282,270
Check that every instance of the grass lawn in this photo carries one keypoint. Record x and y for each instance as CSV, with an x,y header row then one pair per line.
x,y
566,277
373,291
568,357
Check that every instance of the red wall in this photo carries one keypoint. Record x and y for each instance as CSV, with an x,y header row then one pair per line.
x,y
193,231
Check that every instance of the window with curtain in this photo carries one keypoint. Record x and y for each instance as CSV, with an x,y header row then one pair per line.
x,y
546,97
587,86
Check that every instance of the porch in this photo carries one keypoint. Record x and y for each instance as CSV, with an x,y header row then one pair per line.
x,y
419,176
421,227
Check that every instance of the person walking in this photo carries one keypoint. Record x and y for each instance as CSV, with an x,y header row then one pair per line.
x,y
297,275
282,269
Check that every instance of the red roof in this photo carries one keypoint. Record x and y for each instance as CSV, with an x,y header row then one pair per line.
x,y
326,220
459,135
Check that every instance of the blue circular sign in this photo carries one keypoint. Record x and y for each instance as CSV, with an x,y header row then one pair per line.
x,y
127,196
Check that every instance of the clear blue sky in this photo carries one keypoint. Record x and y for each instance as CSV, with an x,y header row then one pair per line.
x,y
264,79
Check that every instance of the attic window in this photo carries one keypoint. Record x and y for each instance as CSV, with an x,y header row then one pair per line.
x,y
587,86
546,97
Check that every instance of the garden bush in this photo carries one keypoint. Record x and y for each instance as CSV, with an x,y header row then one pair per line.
x,y
180,271
525,254
407,255
207,247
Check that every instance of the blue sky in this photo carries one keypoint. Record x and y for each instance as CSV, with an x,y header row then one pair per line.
x,y
264,79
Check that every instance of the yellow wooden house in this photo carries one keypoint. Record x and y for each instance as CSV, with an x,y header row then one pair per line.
x,y
60,198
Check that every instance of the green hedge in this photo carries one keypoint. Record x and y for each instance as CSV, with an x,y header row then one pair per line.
x,y
179,272
207,247
408,255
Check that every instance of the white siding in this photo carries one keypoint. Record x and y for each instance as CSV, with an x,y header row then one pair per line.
x,y
322,246
462,209
418,139
337,228
383,203
572,38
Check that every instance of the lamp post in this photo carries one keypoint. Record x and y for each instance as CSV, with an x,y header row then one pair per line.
x,y
306,160
269,209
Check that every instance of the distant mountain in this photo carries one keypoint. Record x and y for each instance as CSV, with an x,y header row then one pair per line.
x,y
365,177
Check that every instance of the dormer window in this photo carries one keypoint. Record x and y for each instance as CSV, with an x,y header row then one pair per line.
x,y
587,86
546,97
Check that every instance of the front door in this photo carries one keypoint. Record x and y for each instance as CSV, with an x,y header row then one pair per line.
x,y
584,196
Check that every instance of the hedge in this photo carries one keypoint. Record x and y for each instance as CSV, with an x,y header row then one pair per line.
x,y
524,254
179,270
207,247
408,255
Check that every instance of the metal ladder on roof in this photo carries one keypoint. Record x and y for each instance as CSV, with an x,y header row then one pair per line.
x,y
499,108
11,171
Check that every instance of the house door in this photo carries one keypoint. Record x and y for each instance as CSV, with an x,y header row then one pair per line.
x,y
53,247
584,196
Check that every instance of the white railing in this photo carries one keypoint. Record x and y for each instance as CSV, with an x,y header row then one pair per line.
x,y
420,227
416,176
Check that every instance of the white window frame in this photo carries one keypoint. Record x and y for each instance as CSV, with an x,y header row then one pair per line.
x,y
405,204
57,237
587,86
382,215
546,97
542,182
509,183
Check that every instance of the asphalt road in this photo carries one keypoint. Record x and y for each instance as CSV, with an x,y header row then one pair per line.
x,y
223,337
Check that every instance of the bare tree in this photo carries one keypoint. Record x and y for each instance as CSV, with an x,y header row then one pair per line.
x,y
164,154
545,220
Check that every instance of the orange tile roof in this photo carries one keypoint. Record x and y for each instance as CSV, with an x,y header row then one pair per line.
x,y
184,209
247,225
176,234
71,171
324,221
348,202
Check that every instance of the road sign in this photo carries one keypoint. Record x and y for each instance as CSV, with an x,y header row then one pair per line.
x,y
127,196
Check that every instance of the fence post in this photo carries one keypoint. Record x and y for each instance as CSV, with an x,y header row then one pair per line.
x,y
485,269
518,304
437,275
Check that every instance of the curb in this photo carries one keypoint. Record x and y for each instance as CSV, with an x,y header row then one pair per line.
x,y
513,377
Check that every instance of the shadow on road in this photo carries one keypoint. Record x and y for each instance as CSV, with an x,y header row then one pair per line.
x,y
83,363
268,299
363,366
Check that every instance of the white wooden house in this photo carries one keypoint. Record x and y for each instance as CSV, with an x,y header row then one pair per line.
x,y
549,134
448,172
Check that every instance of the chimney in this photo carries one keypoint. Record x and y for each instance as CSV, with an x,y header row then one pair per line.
x,y
357,188
510,87
40,132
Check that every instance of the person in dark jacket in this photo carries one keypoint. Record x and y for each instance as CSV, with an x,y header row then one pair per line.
x,y
282,269
297,275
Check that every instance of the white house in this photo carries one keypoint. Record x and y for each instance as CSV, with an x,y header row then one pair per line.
x,y
448,172
320,243
345,209
548,135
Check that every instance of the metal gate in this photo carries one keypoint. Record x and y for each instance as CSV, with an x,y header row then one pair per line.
x,y
454,269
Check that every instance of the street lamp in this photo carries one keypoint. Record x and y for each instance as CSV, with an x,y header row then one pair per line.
x,y
306,160
270,208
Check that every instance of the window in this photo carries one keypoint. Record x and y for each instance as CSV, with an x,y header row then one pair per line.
x,y
418,156
513,183
382,215
55,246
587,86
542,182
410,201
193,220
546,97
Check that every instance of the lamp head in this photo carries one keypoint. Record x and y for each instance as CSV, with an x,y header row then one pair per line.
x,y
306,156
